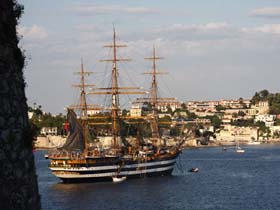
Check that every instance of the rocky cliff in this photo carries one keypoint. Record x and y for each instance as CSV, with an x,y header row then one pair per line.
x,y
18,181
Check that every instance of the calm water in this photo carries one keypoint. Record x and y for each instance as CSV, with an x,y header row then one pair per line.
x,y
226,181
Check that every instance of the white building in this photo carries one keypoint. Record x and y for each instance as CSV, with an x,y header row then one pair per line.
x,y
30,115
173,104
210,106
202,106
49,131
135,111
227,118
262,107
231,133
268,119
235,104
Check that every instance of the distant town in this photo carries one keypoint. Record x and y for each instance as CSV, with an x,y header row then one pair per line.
x,y
254,120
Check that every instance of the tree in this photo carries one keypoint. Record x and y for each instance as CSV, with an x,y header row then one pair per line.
x,y
274,108
124,112
263,130
169,110
147,107
215,120
264,93
241,114
191,115
256,98
241,102
19,188
220,108
234,115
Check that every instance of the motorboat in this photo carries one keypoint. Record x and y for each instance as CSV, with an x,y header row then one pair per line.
x,y
194,170
117,179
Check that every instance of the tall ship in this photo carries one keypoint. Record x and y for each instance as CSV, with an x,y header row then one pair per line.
x,y
84,157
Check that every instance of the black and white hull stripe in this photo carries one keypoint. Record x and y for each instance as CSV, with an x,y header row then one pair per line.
x,y
132,169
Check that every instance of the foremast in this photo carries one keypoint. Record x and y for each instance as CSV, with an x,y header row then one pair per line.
x,y
83,106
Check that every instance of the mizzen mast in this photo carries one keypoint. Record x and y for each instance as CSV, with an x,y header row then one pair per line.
x,y
154,97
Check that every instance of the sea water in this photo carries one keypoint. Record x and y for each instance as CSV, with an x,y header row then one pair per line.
x,y
226,180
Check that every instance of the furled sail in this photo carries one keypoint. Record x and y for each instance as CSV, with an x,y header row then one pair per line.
x,y
75,140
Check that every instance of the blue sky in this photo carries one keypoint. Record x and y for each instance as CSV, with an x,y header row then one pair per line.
x,y
213,49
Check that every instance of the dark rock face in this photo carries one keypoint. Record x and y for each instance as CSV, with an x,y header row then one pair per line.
x,y
18,181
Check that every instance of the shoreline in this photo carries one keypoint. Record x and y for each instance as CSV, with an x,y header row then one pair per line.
x,y
193,147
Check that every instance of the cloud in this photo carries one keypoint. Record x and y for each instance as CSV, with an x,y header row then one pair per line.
x,y
209,31
108,9
34,33
268,29
207,53
205,27
269,12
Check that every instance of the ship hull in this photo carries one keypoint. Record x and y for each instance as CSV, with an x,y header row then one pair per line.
x,y
108,179
104,172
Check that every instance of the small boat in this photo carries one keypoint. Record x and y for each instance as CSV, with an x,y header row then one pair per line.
x,y
117,179
239,150
46,156
224,149
194,170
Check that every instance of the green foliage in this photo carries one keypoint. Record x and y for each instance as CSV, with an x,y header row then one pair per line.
x,y
48,120
220,108
263,130
147,107
241,114
234,115
274,108
40,120
215,120
191,115
277,122
272,98
18,9
183,105
169,110
125,112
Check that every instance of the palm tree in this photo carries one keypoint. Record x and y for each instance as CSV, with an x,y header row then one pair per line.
x,y
18,181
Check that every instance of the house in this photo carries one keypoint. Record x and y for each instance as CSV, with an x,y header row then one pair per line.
x,y
262,107
49,131
135,111
231,133
268,119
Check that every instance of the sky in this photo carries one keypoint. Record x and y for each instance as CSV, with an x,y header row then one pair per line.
x,y
212,49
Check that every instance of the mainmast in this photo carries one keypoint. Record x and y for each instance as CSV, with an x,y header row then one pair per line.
x,y
115,90
115,96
